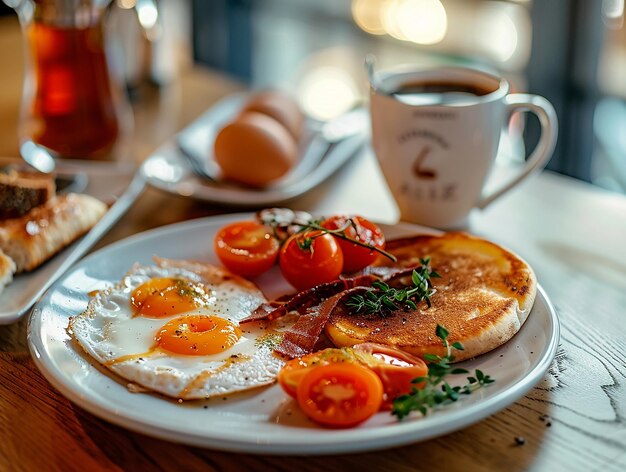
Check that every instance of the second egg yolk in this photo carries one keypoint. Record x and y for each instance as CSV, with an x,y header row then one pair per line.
x,y
198,335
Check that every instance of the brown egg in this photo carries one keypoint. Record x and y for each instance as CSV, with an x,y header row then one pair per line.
x,y
280,106
255,150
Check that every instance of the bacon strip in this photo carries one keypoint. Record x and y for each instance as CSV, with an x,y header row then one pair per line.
x,y
269,310
315,306
306,299
301,338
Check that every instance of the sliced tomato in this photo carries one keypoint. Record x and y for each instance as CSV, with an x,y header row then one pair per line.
x,y
246,248
310,258
356,257
340,395
294,370
291,374
396,369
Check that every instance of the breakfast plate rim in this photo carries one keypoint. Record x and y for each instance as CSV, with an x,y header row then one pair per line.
x,y
333,442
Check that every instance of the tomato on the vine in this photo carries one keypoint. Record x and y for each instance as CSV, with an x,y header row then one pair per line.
x,y
356,257
310,258
246,248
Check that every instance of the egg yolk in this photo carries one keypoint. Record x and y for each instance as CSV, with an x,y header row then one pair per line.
x,y
162,297
198,335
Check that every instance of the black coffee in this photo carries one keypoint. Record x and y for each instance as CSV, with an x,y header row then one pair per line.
x,y
441,87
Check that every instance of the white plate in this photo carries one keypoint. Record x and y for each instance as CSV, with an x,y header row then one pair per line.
x,y
112,184
170,170
261,421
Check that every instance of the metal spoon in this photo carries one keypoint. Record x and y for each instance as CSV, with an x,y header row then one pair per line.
x,y
331,132
375,82
38,157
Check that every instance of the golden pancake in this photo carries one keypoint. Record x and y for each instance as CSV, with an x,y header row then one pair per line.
x,y
483,297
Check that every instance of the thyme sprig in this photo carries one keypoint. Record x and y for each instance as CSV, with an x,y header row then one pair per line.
x,y
316,225
285,222
433,389
383,298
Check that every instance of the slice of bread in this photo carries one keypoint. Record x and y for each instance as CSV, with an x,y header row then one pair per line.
x,y
35,237
21,191
7,269
483,297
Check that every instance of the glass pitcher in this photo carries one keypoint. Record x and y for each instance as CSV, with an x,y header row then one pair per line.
x,y
72,105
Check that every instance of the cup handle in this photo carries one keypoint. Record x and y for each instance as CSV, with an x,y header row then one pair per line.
x,y
542,152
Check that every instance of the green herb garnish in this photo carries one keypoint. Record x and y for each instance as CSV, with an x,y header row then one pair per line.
x,y
434,389
188,289
383,298
306,226
270,340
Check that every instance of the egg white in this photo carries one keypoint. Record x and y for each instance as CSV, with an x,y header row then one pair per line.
x,y
124,343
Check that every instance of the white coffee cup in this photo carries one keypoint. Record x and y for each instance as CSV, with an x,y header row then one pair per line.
x,y
436,132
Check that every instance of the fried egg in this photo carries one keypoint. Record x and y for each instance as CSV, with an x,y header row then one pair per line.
x,y
173,328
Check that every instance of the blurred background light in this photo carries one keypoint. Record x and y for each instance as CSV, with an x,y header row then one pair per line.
x,y
389,17
126,4
147,13
498,33
421,21
326,92
368,15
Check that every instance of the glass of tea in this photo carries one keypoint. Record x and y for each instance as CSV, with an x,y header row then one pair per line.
x,y
72,105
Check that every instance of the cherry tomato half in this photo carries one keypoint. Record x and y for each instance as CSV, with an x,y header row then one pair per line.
x,y
246,248
396,369
356,257
306,267
340,395
293,371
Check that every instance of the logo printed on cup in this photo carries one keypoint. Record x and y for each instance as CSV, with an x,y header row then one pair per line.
x,y
423,182
436,133
420,169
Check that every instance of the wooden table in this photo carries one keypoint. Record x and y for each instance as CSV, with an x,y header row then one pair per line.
x,y
573,234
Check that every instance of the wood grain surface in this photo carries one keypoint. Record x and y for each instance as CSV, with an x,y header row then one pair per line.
x,y
572,234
